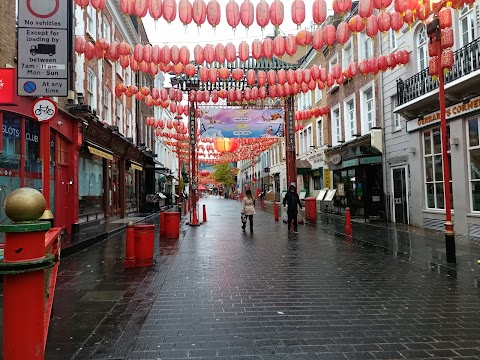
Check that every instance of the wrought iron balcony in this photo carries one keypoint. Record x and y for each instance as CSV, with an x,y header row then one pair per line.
x,y
466,61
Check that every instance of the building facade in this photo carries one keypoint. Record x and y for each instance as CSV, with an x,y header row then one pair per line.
x,y
417,101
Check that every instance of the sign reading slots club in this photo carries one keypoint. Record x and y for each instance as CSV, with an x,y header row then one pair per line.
x,y
7,86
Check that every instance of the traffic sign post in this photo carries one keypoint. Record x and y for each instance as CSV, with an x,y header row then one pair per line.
x,y
42,48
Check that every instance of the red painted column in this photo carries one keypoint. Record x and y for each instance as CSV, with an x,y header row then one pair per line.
x,y
193,162
290,153
22,152
45,156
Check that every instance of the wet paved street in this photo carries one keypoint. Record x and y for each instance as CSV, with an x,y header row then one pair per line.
x,y
220,293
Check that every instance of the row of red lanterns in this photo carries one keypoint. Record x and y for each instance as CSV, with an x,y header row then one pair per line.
x,y
443,61
199,11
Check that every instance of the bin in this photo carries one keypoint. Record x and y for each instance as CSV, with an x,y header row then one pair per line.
x,y
172,225
311,209
144,244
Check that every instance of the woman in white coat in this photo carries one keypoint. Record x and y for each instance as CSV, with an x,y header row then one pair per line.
x,y
248,208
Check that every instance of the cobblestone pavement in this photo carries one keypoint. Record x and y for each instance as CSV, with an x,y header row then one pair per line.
x,y
221,293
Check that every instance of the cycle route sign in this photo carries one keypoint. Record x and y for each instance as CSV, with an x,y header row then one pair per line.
x,y
42,48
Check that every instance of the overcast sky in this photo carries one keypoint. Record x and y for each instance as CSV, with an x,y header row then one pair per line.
x,y
162,33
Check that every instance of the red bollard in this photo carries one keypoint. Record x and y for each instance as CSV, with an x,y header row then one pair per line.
x,y
311,210
172,225
263,203
348,224
275,211
204,213
162,223
194,217
144,244
129,262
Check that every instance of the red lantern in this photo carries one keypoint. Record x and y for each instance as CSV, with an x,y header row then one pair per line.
x,y
268,47
243,51
98,5
323,74
282,76
225,144
184,55
230,52
84,3
341,7
199,12
343,33
169,10
396,22
336,71
80,44
263,13
382,63
247,94
237,74
138,53
381,4
246,13
272,92
185,12
198,55
203,73
433,68
422,12
261,78
220,53
446,60
384,20
251,77
372,66
276,13
330,80
304,38
255,93
257,51
291,44
231,95
89,51
126,6
178,68
356,24
319,11
329,35
209,53
365,8
317,39
353,69
363,67
447,38
233,14
166,54
408,18
262,93
400,6
372,26
141,8
391,61
212,75
213,13
299,76
298,12
307,75
445,17
124,48
224,73
279,45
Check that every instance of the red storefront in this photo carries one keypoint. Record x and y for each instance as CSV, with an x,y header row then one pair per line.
x,y
21,156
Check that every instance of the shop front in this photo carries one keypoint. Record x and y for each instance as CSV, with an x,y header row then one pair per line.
x,y
358,180
21,160
109,172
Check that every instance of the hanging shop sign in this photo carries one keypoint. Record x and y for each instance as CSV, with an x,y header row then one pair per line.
x,y
451,112
241,123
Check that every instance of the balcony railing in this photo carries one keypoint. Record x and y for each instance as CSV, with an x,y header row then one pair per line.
x,y
466,60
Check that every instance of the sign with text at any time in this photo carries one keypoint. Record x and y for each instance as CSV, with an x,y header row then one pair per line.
x,y
42,48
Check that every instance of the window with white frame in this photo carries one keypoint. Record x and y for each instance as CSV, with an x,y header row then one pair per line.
x,y
336,127
422,47
127,77
367,108
332,62
92,89
106,29
92,22
308,99
129,123
347,54
396,118
365,46
119,116
473,137
107,105
319,132
309,137
392,39
433,164
350,118
467,25
318,94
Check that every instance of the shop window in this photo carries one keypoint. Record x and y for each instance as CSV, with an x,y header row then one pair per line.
x,y
317,183
474,162
433,164
130,193
33,164
90,183
10,156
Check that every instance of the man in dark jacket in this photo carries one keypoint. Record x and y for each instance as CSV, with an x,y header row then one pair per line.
x,y
292,200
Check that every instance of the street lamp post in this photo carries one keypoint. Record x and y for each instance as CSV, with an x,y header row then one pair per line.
x,y
179,200
434,34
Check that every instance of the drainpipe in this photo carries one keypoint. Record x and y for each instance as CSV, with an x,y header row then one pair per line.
x,y
384,156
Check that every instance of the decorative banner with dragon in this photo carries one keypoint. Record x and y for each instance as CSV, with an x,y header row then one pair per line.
x,y
241,123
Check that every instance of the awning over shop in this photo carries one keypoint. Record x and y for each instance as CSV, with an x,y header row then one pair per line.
x,y
136,166
106,154
303,167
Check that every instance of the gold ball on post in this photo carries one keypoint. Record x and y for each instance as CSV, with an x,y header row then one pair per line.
x,y
130,224
25,205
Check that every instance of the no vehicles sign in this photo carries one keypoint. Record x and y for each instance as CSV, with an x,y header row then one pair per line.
x,y
42,47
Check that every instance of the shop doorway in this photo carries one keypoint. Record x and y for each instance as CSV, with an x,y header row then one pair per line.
x,y
63,192
400,198
114,187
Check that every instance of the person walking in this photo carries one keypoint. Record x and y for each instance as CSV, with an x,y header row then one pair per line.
x,y
248,208
291,201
